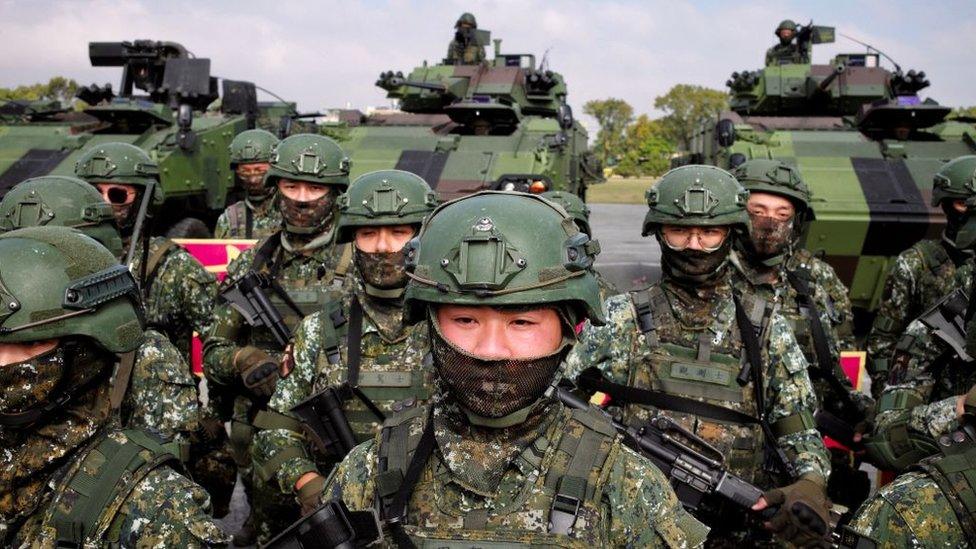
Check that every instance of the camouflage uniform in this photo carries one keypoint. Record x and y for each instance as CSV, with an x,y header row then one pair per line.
x,y
461,52
504,457
634,507
265,220
923,274
390,369
67,476
934,505
257,216
387,348
304,265
918,278
787,51
919,399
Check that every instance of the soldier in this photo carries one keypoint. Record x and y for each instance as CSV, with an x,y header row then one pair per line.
x,y
723,364
69,477
923,273
464,48
580,213
161,391
298,264
934,505
787,51
256,215
178,293
931,370
380,212
501,462
812,299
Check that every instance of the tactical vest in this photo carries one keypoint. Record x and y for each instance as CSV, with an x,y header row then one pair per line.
x,y
706,374
562,501
390,390
302,296
85,509
954,471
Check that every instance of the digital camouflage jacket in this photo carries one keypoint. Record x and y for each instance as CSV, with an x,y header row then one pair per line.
x,y
697,353
265,220
498,485
392,374
918,277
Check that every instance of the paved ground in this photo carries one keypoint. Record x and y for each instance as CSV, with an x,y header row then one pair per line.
x,y
627,259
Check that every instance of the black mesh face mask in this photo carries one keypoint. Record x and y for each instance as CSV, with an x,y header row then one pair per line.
x,y
492,388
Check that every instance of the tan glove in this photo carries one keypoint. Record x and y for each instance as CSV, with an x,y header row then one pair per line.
x,y
258,370
310,494
804,512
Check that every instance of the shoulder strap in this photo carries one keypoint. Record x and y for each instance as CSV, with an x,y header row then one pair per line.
x,y
267,249
248,222
754,369
122,376
99,487
354,341
395,485
342,268
586,452
232,217
934,254
155,260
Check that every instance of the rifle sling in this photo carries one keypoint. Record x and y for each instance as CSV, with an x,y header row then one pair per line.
x,y
592,380
820,346
398,508
754,356
248,221
354,341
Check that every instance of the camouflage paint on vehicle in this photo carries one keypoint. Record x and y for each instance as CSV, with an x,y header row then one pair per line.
x,y
533,137
43,137
866,144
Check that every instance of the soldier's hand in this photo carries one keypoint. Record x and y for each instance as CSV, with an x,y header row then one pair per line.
x,y
803,515
258,370
966,404
308,492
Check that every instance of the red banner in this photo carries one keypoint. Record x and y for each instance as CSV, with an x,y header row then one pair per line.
x,y
214,255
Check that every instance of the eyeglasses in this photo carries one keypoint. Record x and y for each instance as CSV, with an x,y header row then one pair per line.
x,y
117,195
709,238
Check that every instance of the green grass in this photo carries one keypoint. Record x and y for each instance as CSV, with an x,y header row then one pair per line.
x,y
618,190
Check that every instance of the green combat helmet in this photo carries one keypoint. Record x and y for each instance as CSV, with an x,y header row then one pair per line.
x,y
467,19
119,163
956,180
56,282
384,197
61,201
574,206
252,146
311,158
482,250
785,24
696,195
779,178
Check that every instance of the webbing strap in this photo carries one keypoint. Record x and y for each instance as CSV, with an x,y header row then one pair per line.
x,y
264,252
794,423
342,268
155,260
592,380
571,490
122,377
354,341
398,508
270,419
248,222
267,470
754,359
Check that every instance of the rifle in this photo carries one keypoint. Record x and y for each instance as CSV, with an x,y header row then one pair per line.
x,y
331,525
692,474
326,422
247,297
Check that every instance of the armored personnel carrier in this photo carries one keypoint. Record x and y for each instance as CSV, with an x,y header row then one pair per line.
x,y
500,124
865,142
178,120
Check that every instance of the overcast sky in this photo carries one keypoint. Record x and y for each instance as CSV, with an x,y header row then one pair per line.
x,y
328,53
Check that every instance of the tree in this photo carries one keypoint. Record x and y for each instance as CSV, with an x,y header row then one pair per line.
x,y
963,112
646,151
612,115
685,107
57,88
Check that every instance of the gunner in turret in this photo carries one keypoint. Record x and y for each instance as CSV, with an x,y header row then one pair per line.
x,y
791,49
465,49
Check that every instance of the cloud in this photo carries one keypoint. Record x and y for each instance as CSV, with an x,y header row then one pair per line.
x,y
327,53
